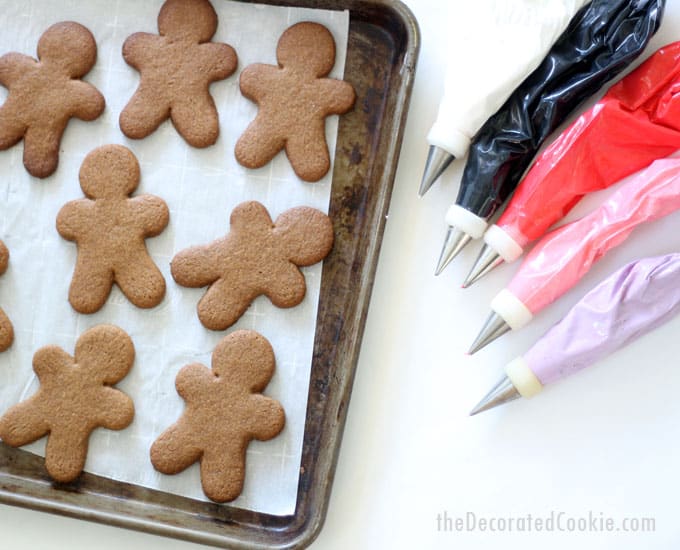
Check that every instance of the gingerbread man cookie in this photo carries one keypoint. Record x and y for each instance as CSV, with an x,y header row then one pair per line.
x,y
225,410
256,257
294,100
44,95
6,329
110,229
74,398
176,69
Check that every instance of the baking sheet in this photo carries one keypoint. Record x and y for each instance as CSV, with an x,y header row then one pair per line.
x,y
201,187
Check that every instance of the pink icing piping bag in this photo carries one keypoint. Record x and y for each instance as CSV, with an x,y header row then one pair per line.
x,y
635,300
636,122
564,256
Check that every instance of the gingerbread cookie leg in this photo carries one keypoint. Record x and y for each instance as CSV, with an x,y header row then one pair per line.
x,y
141,281
65,452
258,145
221,307
308,155
41,150
170,454
142,116
91,285
196,121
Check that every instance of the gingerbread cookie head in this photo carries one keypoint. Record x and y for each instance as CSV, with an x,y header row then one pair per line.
x,y
257,257
193,20
75,397
70,46
225,410
109,172
311,42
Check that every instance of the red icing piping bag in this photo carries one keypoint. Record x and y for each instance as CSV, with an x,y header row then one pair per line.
x,y
635,123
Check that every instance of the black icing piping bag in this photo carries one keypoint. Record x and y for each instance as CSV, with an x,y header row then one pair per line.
x,y
602,39
509,39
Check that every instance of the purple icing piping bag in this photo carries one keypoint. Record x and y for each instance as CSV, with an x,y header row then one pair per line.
x,y
633,301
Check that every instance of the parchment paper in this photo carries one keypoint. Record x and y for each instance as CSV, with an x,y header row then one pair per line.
x,y
201,188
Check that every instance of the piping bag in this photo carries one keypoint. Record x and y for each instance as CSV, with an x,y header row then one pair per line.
x,y
602,39
509,39
637,121
635,300
563,257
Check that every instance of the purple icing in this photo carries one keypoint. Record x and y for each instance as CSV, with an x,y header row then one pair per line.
x,y
636,299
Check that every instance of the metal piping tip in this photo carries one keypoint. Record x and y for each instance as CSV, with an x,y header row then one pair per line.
x,y
501,393
495,327
437,161
454,243
486,262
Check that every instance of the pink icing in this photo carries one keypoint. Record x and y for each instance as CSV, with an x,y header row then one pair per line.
x,y
633,301
564,256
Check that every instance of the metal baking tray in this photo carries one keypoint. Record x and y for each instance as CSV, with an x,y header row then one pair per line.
x,y
381,58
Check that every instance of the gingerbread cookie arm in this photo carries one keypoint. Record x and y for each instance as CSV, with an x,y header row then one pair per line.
x,y
266,418
258,79
116,409
13,66
23,424
197,266
66,452
86,102
151,213
49,361
193,380
338,96
71,216
221,60
137,46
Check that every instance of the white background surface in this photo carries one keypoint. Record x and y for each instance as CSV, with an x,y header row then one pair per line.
x,y
606,440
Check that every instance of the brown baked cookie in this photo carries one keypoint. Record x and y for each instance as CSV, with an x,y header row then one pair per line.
x,y
74,398
6,329
294,100
110,228
225,410
256,257
44,95
176,69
